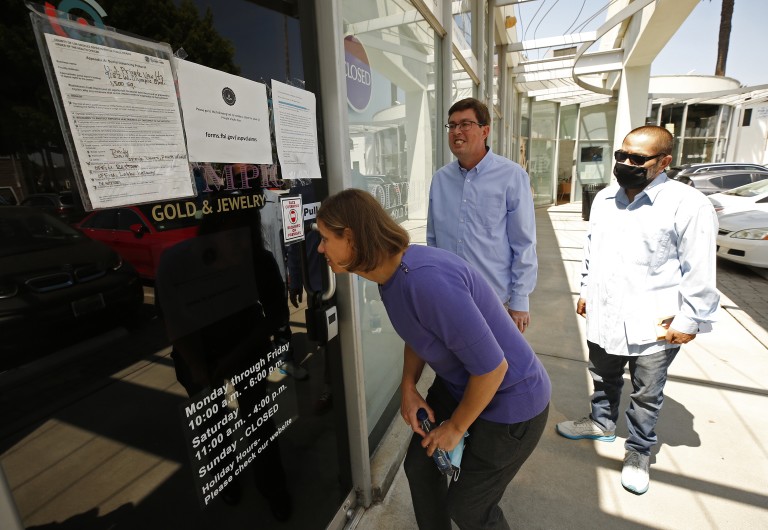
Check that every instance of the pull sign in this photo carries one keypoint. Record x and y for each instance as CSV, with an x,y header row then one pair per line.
x,y
293,221
310,210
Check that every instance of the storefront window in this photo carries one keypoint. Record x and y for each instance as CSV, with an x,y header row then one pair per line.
x,y
392,145
697,150
672,120
723,133
462,23
567,145
594,155
461,82
109,368
541,160
653,119
701,121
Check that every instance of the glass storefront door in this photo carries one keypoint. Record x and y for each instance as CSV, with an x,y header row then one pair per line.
x,y
121,407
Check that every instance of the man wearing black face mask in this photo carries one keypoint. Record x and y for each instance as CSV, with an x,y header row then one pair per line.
x,y
648,286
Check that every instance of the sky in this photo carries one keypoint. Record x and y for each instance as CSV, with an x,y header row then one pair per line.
x,y
691,50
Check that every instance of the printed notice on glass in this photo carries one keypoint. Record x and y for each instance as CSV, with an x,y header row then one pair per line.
x,y
238,423
295,131
226,117
126,126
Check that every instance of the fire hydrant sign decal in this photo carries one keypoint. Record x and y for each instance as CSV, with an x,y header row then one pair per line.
x,y
226,117
293,221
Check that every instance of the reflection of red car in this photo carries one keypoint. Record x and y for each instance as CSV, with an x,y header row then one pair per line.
x,y
136,234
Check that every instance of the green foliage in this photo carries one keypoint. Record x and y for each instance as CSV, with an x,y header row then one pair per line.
x,y
25,100
181,27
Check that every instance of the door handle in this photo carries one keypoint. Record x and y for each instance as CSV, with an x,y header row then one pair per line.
x,y
327,295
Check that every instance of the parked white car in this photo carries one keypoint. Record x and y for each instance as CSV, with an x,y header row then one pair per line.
x,y
743,238
749,197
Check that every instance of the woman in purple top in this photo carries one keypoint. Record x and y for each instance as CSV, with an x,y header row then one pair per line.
x,y
489,381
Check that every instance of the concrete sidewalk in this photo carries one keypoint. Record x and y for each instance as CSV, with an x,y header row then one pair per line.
x,y
710,468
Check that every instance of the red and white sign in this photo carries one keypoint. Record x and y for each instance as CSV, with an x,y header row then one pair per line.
x,y
293,220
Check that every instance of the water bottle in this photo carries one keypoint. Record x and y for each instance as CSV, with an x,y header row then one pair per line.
x,y
440,456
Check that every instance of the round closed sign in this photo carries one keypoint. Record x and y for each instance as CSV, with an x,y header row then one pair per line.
x,y
358,70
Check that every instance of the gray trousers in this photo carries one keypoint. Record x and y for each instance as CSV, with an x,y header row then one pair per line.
x,y
493,454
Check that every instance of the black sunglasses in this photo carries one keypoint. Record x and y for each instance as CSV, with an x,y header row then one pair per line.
x,y
637,160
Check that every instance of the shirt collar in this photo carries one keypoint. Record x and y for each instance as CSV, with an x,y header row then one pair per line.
x,y
484,163
654,188
651,191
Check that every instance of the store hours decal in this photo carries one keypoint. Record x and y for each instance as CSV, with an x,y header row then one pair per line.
x,y
227,427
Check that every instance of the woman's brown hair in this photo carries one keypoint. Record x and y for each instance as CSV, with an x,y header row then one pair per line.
x,y
375,235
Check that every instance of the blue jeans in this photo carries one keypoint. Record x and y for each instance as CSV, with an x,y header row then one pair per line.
x,y
648,374
493,455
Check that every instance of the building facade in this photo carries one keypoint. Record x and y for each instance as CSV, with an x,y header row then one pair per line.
x,y
383,74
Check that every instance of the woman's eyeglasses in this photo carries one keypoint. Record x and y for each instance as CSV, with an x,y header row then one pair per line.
x,y
637,160
463,126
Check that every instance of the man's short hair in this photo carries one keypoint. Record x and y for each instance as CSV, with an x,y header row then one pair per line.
x,y
481,110
662,138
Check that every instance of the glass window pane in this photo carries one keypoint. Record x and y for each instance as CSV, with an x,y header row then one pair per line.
x,y
392,150
104,220
697,150
126,218
732,181
701,121
542,150
596,131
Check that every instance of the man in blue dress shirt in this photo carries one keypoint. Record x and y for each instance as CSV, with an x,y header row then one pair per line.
x,y
481,208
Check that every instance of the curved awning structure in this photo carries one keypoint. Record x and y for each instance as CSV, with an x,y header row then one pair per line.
x,y
585,66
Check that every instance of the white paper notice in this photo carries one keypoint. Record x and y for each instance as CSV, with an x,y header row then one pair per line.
x,y
226,117
124,116
295,131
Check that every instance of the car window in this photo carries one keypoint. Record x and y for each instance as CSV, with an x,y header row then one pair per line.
x,y
737,179
103,220
27,233
8,195
757,177
716,182
750,190
36,201
66,199
127,217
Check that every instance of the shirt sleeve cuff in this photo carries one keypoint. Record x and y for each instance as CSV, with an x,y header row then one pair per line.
x,y
518,303
685,325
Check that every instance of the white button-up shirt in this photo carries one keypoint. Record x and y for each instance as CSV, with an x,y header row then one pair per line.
x,y
648,260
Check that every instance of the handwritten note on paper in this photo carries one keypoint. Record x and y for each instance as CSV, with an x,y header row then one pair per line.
x,y
124,117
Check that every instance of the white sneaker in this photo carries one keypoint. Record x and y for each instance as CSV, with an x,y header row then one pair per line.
x,y
584,428
635,473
